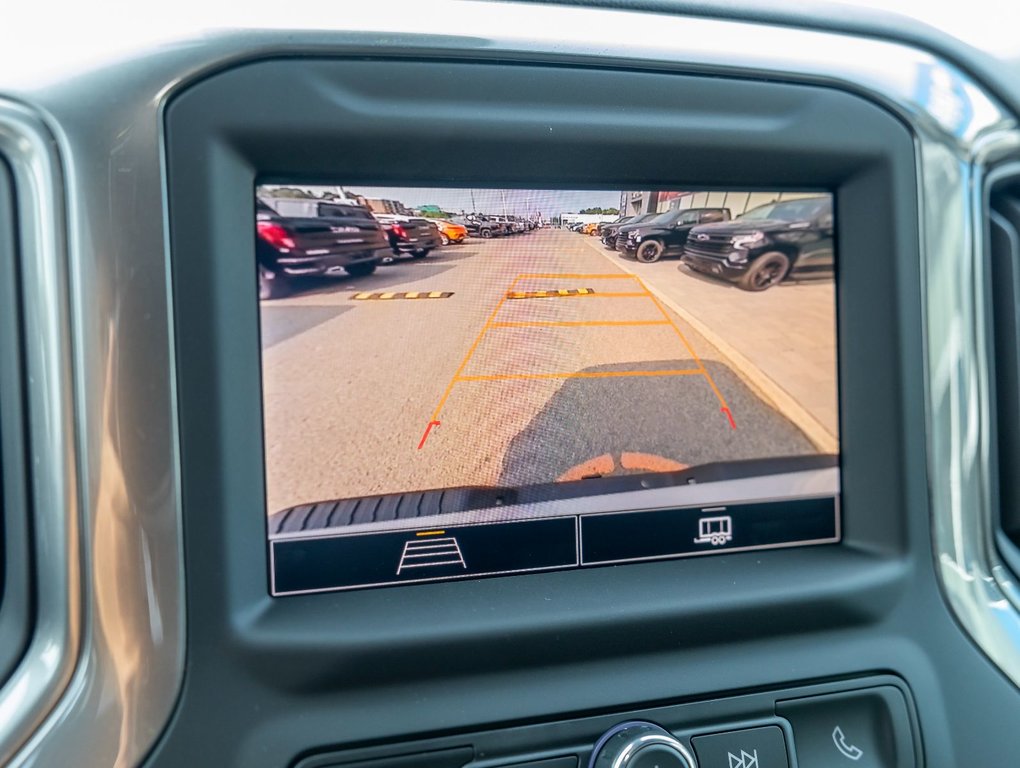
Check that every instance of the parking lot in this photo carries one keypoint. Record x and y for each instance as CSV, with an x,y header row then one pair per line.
x,y
517,360
781,340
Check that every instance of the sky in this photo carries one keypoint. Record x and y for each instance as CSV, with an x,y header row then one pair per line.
x,y
518,201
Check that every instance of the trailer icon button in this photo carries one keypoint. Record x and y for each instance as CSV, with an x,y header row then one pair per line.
x,y
716,530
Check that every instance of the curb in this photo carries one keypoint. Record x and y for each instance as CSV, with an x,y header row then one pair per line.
x,y
764,385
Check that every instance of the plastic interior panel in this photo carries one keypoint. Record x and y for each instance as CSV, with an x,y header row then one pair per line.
x,y
509,747
15,565
374,666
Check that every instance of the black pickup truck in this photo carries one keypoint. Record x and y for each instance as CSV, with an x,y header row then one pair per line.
x,y
665,234
324,239
767,244
480,226
407,234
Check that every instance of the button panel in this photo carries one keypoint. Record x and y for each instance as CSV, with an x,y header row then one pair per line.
x,y
863,723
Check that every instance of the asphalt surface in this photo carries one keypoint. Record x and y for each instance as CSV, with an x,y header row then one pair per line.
x,y
524,390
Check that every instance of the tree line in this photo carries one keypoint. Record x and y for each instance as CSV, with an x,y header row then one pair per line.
x,y
602,211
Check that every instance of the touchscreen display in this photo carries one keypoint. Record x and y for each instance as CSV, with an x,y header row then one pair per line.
x,y
463,383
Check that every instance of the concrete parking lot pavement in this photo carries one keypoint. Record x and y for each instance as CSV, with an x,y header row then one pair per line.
x,y
781,340
388,395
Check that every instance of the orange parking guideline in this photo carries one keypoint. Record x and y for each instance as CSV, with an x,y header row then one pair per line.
x,y
575,323
667,320
711,382
571,276
471,351
578,375
521,295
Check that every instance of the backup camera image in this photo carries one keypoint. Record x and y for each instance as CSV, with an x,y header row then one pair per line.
x,y
469,382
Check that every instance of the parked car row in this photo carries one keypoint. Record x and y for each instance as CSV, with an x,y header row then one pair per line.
x,y
665,234
486,226
300,237
756,250
586,227
314,238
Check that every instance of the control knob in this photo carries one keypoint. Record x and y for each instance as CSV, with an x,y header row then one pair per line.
x,y
640,745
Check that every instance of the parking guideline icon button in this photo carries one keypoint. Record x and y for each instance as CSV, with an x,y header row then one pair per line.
x,y
763,747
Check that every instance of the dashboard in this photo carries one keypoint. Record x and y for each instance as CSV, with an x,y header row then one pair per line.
x,y
510,384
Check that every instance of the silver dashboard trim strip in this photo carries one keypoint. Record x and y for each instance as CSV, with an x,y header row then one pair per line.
x,y
39,680
959,131
959,389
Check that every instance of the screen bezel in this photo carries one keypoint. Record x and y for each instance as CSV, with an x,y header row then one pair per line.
x,y
615,501
341,120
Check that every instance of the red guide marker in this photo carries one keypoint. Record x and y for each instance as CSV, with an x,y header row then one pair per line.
x,y
723,409
426,435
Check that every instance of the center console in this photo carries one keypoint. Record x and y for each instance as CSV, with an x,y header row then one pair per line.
x,y
866,722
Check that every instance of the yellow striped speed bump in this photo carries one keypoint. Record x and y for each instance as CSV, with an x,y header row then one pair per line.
x,y
549,294
402,295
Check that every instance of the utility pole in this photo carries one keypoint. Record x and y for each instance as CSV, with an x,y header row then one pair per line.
x,y
502,194
474,208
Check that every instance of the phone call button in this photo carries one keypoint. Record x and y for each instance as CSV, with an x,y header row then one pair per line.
x,y
859,729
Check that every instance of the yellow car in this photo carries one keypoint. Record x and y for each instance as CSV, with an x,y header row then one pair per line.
x,y
450,232
591,228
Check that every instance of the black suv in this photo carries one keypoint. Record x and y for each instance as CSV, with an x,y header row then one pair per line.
x,y
607,230
610,231
666,234
765,245
615,234
321,240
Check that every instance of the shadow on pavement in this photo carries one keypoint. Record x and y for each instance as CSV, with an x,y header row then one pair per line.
x,y
701,277
445,253
386,275
806,279
678,418
442,255
282,322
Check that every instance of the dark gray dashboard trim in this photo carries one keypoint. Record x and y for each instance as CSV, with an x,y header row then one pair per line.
x,y
846,19
577,36
686,720
325,655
